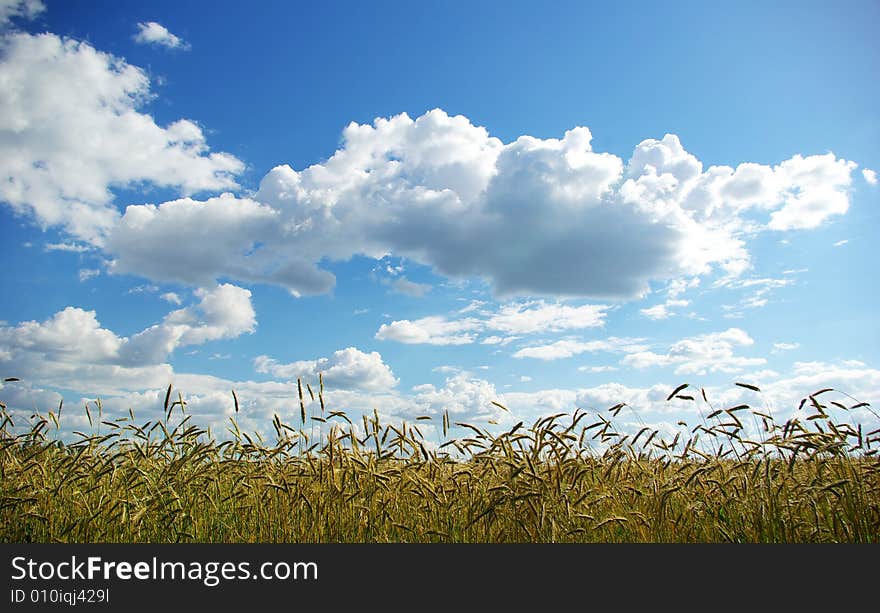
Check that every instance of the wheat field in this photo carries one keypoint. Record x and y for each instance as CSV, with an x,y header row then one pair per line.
x,y
569,477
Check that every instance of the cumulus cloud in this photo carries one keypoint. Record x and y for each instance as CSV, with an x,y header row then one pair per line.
x,y
200,238
817,190
463,396
870,176
532,217
27,9
699,355
71,350
171,297
346,369
152,33
71,132
223,312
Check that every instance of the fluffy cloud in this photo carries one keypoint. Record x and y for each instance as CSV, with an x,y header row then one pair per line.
x,y
199,238
223,312
70,132
27,9
464,397
433,330
532,217
152,33
714,352
346,369
870,176
71,350
817,190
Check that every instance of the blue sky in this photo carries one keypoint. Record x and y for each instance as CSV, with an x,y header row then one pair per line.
x,y
437,205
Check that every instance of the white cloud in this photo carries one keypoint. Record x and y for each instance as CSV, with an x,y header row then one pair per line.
x,y
402,285
69,247
498,340
662,311
464,397
71,350
152,33
706,353
346,369
870,176
760,290
198,239
780,347
514,319
531,217
88,273
817,190
841,243
597,369
223,312
71,132
537,317
430,330
28,9
567,348
171,298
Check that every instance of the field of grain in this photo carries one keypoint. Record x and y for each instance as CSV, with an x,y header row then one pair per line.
x,y
564,478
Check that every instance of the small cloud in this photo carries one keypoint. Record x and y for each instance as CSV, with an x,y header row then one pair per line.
x,y
27,9
841,243
220,356
597,368
140,289
152,33
498,340
71,247
525,379
446,369
171,297
410,288
662,311
361,311
780,347
870,176
87,273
